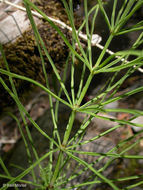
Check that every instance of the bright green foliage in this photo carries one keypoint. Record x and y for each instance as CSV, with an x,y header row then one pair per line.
x,y
55,177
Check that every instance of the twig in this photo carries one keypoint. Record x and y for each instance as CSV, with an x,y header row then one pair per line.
x,y
96,39
7,141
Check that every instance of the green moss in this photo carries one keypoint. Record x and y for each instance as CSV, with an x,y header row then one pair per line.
x,y
23,56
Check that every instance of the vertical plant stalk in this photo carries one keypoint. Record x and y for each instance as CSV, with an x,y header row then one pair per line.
x,y
55,131
60,90
88,34
69,128
81,82
113,15
72,79
85,89
73,56
63,146
56,171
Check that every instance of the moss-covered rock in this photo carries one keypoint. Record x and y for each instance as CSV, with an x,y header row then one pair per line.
x,y
23,55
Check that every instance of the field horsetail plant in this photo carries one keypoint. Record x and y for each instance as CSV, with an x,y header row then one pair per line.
x,y
90,141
